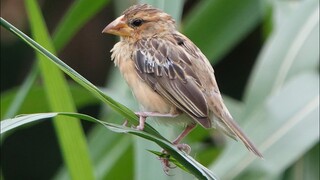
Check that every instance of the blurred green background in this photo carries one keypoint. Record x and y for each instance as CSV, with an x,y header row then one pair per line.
x,y
266,59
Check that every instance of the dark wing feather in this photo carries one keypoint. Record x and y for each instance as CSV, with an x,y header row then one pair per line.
x,y
168,70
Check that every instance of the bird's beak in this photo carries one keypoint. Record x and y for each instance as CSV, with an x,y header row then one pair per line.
x,y
118,27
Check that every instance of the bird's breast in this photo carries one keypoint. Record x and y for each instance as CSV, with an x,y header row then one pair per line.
x,y
145,95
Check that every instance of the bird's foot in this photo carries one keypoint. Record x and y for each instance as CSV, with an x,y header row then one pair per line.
x,y
125,123
142,120
166,165
184,147
143,117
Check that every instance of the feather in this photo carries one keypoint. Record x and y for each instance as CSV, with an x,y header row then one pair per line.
x,y
171,82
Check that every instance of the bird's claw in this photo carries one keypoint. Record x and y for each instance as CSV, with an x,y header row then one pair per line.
x,y
125,123
140,128
166,165
165,158
184,147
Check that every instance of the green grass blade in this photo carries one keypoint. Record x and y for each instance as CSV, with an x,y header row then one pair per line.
x,y
187,161
79,13
33,101
16,103
71,137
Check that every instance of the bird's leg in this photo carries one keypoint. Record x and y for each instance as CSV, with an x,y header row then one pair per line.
x,y
155,114
143,117
183,147
142,120
184,133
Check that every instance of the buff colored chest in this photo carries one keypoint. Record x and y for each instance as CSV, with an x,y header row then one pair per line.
x,y
147,97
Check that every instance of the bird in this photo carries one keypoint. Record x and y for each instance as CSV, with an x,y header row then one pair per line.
x,y
168,74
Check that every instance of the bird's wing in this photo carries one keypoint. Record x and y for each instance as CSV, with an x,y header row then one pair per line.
x,y
166,66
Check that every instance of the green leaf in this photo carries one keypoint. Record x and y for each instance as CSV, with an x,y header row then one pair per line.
x,y
187,161
9,124
217,26
17,101
292,48
283,128
70,134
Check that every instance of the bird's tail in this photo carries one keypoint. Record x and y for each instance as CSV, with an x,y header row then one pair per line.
x,y
232,129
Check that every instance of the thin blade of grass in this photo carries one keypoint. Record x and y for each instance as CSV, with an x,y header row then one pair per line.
x,y
187,161
70,134
78,14
16,103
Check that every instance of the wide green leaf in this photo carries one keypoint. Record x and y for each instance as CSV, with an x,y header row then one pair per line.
x,y
292,48
283,128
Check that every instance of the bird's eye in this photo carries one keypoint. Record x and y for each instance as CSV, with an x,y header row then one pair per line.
x,y
136,22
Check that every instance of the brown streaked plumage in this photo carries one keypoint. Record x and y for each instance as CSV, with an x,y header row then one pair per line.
x,y
168,74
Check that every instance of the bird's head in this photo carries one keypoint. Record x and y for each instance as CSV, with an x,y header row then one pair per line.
x,y
141,21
